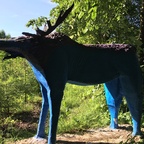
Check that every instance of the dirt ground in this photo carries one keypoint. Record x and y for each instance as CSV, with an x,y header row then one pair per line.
x,y
93,136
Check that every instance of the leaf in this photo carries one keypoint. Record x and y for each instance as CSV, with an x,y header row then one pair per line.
x,y
118,18
90,11
80,15
85,30
94,13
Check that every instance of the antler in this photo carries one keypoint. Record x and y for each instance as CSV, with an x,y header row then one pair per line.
x,y
59,20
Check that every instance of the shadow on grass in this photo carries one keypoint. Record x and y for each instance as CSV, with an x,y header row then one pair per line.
x,y
24,127
26,116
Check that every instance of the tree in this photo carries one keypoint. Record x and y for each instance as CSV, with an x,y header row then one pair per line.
x,y
99,21
16,80
3,34
104,21
142,33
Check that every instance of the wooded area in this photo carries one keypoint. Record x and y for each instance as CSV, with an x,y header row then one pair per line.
x,y
95,21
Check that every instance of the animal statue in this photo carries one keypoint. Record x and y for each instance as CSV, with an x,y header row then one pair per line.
x,y
57,59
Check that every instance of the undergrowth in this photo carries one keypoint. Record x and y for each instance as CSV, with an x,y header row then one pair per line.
x,y
83,107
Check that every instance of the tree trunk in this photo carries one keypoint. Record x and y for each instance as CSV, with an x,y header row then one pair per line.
x,y
142,32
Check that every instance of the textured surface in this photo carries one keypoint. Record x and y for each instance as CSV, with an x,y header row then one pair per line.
x,y
92,136
125,47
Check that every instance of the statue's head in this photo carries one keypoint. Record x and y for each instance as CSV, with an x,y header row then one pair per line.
x,y
31,45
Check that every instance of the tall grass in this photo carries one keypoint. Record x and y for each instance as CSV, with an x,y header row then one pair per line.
x,y
83,107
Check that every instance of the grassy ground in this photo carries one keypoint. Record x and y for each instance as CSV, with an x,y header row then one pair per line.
x,y
82,108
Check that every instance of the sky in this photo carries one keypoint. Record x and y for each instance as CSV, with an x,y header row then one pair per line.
x,y
14,14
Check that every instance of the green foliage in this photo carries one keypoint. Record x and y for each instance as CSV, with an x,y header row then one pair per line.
x,y
18,88
35,23
98,21
16,83
82,108
6,127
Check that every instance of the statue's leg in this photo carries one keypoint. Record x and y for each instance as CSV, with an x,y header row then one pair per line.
x,y
54,106
113,98
43,114
45,106
132,91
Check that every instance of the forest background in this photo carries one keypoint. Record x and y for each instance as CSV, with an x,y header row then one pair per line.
x,y
91,21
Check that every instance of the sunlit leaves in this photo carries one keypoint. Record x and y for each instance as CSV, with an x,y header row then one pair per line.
x,y
37,22
93,12
16,80
102,21
80,15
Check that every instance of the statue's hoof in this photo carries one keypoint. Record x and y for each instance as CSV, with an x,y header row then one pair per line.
x,y
39,140
114,126
139,134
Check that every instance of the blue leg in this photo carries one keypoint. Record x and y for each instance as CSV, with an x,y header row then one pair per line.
x,y
52,96
113,98
43,114
54,103
45,103
132,91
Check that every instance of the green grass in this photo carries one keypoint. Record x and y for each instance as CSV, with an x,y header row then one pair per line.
x,y
83,107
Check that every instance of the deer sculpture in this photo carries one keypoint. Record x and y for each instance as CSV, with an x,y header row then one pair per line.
x,y
57,59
